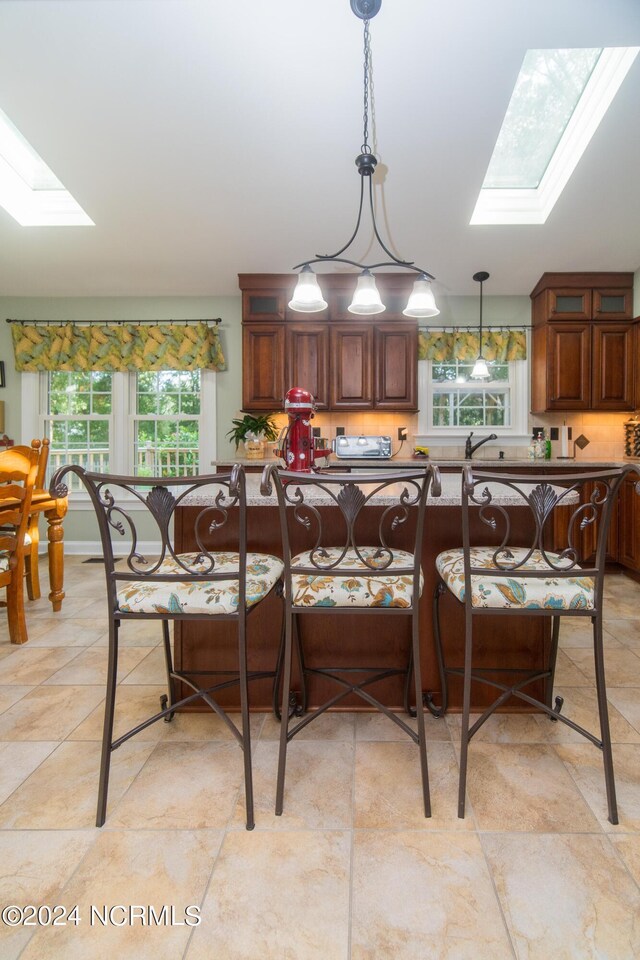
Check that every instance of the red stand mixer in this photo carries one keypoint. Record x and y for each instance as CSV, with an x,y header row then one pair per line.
x,y
296,443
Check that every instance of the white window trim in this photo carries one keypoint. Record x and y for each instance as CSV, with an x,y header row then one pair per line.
x,y
121,423
512,436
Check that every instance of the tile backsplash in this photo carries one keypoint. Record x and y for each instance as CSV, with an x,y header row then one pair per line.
x,y
605,432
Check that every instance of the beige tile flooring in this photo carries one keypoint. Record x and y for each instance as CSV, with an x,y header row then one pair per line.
x,y
352,869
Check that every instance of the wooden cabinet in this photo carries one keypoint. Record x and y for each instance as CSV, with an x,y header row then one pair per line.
x,y
582,352
347,362
263,366
351,377
307,359
612,386
629,523
396,349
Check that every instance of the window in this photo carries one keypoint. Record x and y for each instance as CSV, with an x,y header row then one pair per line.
x,y
560,97
167,423
126,423
459,401
452,404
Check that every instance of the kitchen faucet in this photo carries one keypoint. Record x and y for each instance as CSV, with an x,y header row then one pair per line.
x,y
469,449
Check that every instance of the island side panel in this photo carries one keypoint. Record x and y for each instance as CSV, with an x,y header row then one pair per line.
x,y
345,639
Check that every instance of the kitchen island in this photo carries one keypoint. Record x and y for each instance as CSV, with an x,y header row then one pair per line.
x,y
509,641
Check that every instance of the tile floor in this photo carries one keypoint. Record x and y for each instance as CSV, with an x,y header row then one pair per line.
x,y
352,869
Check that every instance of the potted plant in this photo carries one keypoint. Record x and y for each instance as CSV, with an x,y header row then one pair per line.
x,y
253,431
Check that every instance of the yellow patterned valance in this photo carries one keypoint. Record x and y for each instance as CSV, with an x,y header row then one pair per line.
x,y
500,345
116,347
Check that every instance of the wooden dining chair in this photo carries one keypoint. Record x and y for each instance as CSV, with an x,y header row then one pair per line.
x,y
31,542
18,471
212,585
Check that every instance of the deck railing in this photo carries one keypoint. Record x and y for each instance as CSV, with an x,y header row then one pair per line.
x,y
150,461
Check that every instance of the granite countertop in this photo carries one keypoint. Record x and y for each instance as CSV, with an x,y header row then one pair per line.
x,y
450,497
401,462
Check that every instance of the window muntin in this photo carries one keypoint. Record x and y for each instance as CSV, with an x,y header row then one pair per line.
x,y
78,419
167,423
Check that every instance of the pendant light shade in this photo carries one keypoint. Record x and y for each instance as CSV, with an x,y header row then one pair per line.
x,y
421,302
307,296
366,299
480,369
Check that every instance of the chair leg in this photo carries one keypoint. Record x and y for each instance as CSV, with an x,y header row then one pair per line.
x,y
275,693
246,726
605,733
15,605
444,696
31,562
284,722
107,730
168,659
466,705
300,709
422,741
553,656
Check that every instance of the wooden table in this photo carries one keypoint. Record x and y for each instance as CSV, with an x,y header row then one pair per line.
x,y
54,511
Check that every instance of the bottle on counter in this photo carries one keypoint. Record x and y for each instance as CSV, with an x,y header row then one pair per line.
x,y
531,449
547,446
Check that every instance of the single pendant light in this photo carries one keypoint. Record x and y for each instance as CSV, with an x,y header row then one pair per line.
x,y
307,297
480,369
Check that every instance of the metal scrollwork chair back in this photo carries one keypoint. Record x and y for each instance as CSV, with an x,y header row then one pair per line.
x,y
350,565
154,582
537,566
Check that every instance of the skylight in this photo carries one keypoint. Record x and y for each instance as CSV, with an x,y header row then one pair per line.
x,y
559,98
29,190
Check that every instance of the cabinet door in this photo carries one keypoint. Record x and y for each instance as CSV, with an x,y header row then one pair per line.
x,y
629,523
612,384
262,366
307,360
396,362
570,304
263,305
568,366
351,368
613,303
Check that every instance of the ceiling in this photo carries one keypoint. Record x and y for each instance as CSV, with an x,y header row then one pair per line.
x,y
211,137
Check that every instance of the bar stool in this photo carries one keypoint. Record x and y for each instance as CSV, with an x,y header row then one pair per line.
x,y
206,585
339,574
543,578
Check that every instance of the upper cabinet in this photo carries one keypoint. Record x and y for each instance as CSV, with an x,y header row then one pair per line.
x,y
347,362
583,342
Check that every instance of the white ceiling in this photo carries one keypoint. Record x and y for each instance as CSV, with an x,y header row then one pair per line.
x,y
211,137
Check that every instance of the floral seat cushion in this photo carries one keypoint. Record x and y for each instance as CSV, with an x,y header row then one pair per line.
x,y
204,597
502,591
355,589
4,561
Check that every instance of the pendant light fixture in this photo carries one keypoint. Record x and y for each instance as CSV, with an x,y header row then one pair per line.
x,y
307,297
480,369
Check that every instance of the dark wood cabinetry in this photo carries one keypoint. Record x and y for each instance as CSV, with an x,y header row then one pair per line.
x,y
629,523
583,354
347,362
263,367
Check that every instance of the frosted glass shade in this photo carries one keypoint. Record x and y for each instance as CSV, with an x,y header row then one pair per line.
x,y
421,302
366,299
480,370
307,296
